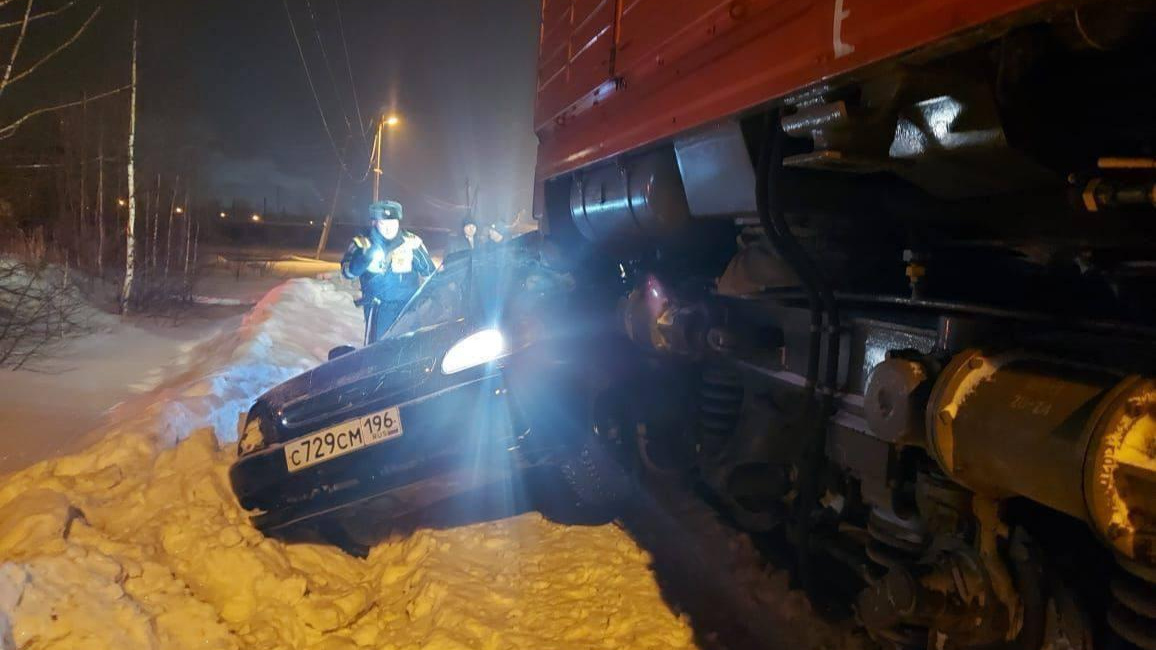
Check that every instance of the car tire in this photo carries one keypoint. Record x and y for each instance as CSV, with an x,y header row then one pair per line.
x,y
595,477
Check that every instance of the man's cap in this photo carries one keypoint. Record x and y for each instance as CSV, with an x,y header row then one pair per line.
x,y
385,210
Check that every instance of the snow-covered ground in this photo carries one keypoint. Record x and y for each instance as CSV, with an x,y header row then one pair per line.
x,y
56,404
137,542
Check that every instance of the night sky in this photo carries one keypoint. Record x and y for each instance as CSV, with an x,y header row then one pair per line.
x,y
224,94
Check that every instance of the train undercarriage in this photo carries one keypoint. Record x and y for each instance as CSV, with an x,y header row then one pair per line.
x,y
905,322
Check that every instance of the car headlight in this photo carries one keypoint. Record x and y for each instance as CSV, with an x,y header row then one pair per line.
x,y
252,438
474,350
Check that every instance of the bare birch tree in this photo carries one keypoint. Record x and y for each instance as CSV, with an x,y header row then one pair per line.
x,y
130,229
100,204
155,222
169,228
13,73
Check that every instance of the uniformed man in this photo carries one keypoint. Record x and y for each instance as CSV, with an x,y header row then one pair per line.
x,y
390,263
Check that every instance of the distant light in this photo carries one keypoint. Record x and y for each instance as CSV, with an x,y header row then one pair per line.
x,y
180,210
310,222
256,217
223,215
121,202
392,120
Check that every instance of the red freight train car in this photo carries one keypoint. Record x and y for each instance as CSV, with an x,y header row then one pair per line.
x,y
617,74
888,268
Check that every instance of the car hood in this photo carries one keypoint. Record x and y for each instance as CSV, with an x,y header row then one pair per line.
x,y
394,367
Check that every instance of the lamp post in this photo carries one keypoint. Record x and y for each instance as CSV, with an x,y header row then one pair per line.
x,y
386,121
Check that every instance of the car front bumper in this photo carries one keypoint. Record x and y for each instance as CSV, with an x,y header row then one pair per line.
x,y
463,431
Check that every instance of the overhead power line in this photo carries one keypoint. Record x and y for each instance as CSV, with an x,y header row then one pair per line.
x,y
328,65
337,152
313,88
349,68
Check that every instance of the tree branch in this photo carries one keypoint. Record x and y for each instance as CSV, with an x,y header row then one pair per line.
x,y
16,46
46,14
24,73
9,130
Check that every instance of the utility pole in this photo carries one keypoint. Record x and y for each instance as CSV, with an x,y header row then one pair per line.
x,y
377,171
130,229
385,121
324,241
471,199
469,208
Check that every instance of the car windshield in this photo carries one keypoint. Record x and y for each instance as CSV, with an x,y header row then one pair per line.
x,y
440,300
502,281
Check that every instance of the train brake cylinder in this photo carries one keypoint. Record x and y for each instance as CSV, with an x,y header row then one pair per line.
x,y
1077,439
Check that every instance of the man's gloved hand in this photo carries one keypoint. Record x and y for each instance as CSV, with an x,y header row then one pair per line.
x,y
362,242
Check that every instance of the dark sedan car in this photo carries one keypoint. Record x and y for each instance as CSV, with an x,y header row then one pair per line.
x,y
474,382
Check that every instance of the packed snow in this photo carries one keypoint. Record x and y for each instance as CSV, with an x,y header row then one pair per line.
x,y
59,401
138,542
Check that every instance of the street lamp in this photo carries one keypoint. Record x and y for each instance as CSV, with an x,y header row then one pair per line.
x,y
121,202
256,218
389,121
223,215
180,210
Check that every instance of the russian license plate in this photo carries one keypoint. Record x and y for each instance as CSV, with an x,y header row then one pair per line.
x,y
342,439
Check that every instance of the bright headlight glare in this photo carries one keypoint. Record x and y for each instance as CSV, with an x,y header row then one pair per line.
x,y
474,350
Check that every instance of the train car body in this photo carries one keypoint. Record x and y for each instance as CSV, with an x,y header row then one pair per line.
x,y
615,75
894,261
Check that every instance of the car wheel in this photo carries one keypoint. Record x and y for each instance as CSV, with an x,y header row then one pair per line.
x,y
595,477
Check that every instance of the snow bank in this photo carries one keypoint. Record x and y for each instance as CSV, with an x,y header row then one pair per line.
x,y
139,543
41,308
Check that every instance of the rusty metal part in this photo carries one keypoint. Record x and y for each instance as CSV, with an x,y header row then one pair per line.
x,y
953,597
848,137
966,596
1120,475
1011,424
1077,439
991,531
943,504
659,323
895,401
838,143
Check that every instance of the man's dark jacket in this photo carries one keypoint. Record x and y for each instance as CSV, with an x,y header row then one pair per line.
x,y
390,270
